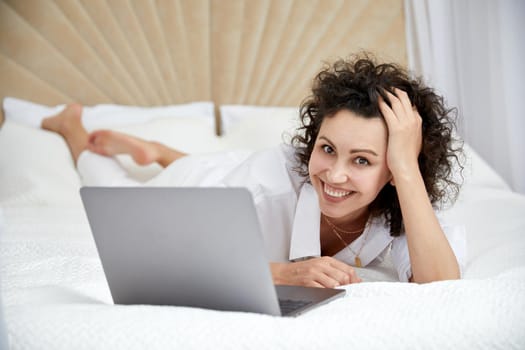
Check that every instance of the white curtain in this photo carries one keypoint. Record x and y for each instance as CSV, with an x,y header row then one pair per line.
x,y
473,52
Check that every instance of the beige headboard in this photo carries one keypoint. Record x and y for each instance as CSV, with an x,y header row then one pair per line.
x,y
147,52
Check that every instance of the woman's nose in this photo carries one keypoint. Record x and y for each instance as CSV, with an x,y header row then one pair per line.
x,y
338,174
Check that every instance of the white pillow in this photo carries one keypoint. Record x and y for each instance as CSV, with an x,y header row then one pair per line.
x,y
36,166
479,173
105,115
254,127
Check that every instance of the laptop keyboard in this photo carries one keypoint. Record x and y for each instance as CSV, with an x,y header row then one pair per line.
x,y
288,305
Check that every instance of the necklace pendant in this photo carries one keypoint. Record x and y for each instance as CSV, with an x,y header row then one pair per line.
x,y
358,262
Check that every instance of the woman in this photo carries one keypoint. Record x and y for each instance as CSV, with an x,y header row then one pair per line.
x,y
361,178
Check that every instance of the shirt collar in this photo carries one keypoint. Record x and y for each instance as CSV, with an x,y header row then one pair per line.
x,y
305,232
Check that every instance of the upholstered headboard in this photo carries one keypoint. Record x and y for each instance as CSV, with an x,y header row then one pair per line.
x,y
146,52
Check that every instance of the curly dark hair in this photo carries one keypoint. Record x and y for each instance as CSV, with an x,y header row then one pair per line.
x,y
355,85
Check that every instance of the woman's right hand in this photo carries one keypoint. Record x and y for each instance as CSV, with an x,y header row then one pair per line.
x,y
316,272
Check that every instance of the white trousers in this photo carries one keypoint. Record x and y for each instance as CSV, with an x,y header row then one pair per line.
x,y
193,170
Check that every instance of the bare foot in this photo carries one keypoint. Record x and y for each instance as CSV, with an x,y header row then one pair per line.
x,y
65,121
110,143
68,124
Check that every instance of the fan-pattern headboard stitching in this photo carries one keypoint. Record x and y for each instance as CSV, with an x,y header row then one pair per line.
x,y
145,52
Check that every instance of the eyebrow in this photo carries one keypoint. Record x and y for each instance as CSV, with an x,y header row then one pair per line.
x,y
352,151
359,150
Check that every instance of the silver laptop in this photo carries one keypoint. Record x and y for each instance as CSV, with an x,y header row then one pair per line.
x,y
198,247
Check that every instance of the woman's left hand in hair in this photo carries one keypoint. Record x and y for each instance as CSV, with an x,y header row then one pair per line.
x,y
404,133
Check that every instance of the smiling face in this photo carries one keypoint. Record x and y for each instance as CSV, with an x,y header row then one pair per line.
x,y
348,165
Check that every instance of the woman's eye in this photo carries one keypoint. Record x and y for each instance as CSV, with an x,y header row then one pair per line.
x,y
328,149
361,161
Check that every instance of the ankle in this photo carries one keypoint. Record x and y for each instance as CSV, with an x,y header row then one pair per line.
x,y
69,121
71,125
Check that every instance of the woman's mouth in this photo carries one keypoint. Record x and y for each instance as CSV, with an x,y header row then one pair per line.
x,y
334,193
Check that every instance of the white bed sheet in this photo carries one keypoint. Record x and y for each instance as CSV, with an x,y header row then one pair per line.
x,y
55,296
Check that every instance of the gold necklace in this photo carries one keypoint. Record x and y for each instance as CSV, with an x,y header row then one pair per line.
x,y
334,228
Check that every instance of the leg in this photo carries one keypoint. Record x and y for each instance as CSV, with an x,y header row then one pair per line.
x,y
68,124
109,143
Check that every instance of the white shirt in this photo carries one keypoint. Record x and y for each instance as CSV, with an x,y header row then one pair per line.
x,y
287,206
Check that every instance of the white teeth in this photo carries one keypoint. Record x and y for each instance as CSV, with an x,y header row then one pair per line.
x,y
335,193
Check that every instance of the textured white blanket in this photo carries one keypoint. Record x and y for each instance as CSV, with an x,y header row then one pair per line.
x,y
55,297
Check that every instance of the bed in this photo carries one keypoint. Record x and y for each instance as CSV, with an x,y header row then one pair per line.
x,y
228,86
